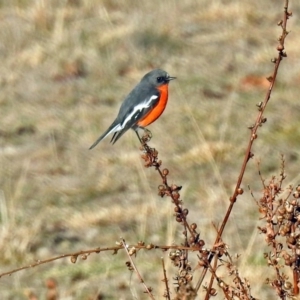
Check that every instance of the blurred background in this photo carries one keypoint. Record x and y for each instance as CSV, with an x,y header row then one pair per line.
x,y
65,68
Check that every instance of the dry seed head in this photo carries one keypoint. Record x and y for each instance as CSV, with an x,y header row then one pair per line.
x,y
262,229
280,23
293,202
84,256
189,277
178,219
291,240
74,259
149,246
213,292
172,254
182,281
147,164
161,187
274,220
286,228
129,266
282,232
177,209
280,47
287,285
175,195
289,208
296,194
202,263
174,187
185,211
240,191
263,210
222,284
165,172
288,262
193,226
201,243
289,216
132,251
191,239
281,210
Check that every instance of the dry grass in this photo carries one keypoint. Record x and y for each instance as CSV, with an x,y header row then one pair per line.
x,y
66,65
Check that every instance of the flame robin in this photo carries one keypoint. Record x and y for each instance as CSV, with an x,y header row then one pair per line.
x,y
143,105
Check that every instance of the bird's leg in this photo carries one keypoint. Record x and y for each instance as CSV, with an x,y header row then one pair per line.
x,y
147,134
139,137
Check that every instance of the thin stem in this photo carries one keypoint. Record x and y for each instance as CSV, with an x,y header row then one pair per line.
x,y
165,280
253,135
136,270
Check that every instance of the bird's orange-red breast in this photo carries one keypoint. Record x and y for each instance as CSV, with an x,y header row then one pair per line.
x,y
143,105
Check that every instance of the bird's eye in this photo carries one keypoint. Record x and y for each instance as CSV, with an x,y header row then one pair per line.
x,y
160,79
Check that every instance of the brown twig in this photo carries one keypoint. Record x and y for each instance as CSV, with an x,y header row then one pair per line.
x,y
260,120
213,275
150,157
84,253
131,265
165,280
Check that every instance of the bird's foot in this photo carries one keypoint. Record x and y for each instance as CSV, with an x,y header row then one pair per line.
x,y
147,136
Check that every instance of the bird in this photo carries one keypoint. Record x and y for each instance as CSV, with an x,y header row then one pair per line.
x,y
143,105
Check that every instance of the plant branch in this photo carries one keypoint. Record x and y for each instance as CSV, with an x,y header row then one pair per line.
x,y
85,253
131,265
165,280
260,120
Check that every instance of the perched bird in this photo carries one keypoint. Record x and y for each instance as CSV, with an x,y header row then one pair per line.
x,y
144,104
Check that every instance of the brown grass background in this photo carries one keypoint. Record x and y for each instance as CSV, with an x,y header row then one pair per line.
x,y
65,68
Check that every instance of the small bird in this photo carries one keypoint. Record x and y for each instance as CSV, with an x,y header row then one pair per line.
x,y
143,105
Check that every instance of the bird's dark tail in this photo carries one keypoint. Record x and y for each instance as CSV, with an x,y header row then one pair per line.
x,y
117,135
112,128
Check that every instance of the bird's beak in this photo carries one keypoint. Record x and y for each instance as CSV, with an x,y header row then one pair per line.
x,y
171,78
